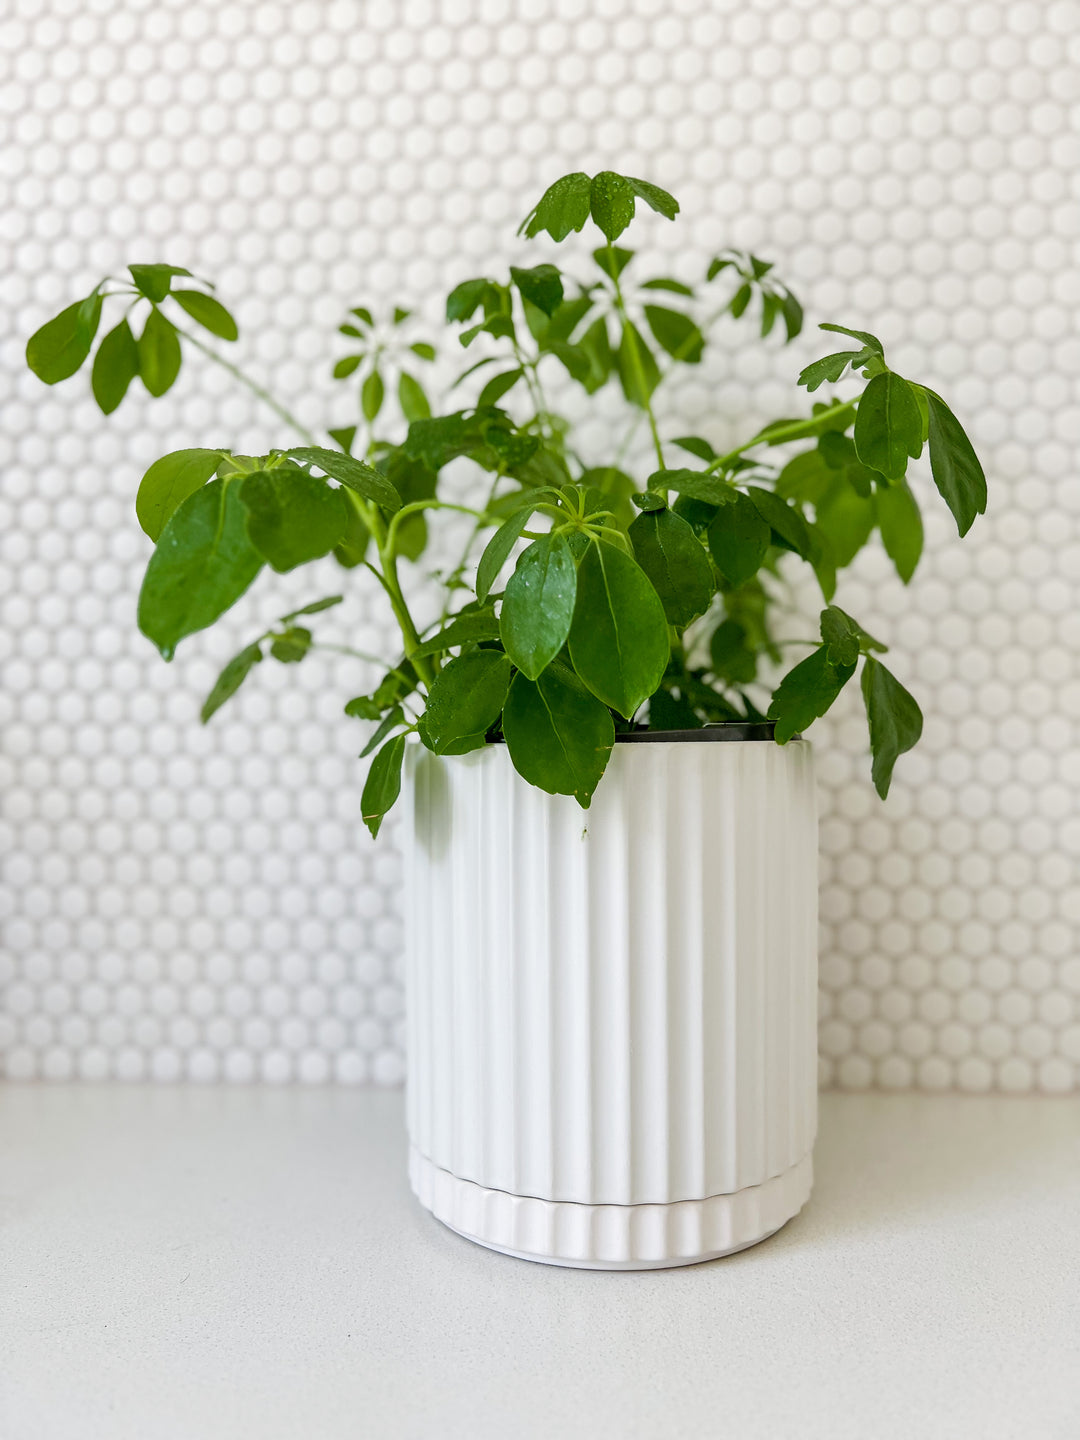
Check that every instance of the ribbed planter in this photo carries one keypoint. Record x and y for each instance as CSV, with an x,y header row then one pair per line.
x,y
612,1012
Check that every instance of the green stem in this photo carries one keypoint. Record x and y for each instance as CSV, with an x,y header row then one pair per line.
x,y
776,437
635,357
252,385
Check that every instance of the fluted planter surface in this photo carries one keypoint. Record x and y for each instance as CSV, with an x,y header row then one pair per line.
x,y
611,1012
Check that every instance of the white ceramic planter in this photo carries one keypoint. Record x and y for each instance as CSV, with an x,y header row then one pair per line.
x,y
612,1012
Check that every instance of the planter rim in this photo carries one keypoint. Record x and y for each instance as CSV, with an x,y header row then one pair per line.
x,y
725,730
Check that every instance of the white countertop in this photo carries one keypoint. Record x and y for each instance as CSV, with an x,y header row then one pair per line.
x,y
204,1264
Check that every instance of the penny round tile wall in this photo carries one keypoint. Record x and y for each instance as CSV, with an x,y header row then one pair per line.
x,y
181,902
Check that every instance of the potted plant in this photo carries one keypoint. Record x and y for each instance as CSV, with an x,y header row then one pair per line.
x,y
610,831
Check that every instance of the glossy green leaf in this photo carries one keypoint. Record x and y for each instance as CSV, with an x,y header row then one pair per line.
x,y
738,540
464,299
344,435
411,398
840,635
207,312
785,520
365,480
611,202
955,466
894,717
638,371
656,199
159,353
901,527
292,645
694,484
57,350
168,483
846,519
563,207
115,366
203,563
315,608
612,259
696,445
675,561
390,721
350,550
888,427
542,286
829,368
465,698
806,692
538,605
154,281
498,386
870,341
371,395
619,636
463,630
293,516
676,333
497,551
383,784
230,679
558,734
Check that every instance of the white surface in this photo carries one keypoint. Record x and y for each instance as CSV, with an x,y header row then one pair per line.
x,y
615,1007
196,903
249,1265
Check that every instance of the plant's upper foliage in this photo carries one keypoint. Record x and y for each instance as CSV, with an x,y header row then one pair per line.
x,y
587,600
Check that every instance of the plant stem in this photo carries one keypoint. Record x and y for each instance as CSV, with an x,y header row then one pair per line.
x,y
776,437
635,356
252,385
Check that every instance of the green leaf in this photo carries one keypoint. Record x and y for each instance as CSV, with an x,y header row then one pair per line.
x,y
207,312
465,698
888,427
159,353
542,286
383,784
563,207
57,350
315,608
740,300
344,436
612,259
954,464
619,636
230,679
363,707
595,344
391,721
871,341
828,368
411,398
785,521
423,349
806,692
464,630
497,551
401,315
674,287
538,605
363,479
901,527
793,315
169,482
115,366
694,484
463,300
153,281
656,199
371,395
846,519
695,445
894,717
352,547
840,636
203,563
498,386
363,314
732,658
291,647
611,201
345,367
293,517
676,333
738,540
675,561
558,735
637,367
617,489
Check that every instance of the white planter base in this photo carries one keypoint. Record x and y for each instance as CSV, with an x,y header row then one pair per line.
x,y
611,1237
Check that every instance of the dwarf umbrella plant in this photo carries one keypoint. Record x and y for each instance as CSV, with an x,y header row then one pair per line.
x,y
634,600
